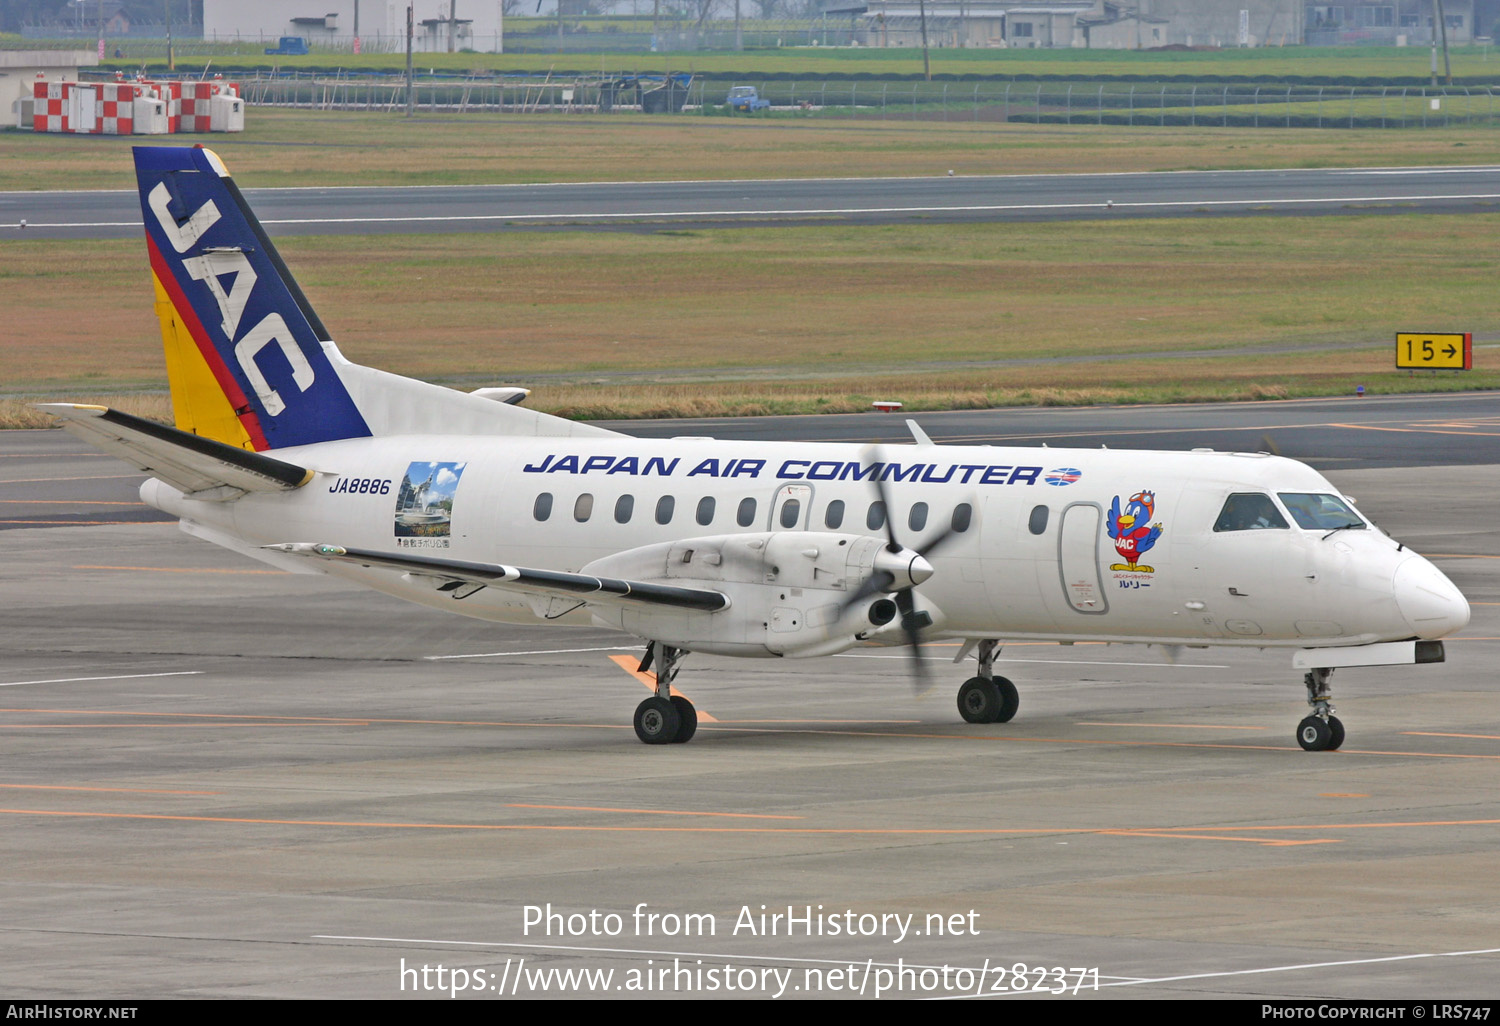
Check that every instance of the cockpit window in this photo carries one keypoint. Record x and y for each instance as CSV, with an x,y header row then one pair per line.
x,y
1320,512
1250,511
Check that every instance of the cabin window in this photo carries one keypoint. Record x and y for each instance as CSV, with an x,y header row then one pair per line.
x,y
1038,522
875,517
624,507
745,516
542,508
664,509
917,518
1250,511
791,512
706,510
583,508
833,517
1320,512
963,515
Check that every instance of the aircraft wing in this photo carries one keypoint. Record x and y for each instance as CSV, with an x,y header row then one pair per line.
x,y
554,583
198,466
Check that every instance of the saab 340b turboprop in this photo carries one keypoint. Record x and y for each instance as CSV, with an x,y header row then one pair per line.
x,y
287,452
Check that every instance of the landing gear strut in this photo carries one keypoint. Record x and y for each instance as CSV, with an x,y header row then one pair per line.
x,y
1322,731
987,698
664,718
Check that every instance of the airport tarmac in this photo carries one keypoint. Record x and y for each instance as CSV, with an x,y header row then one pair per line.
x,y
226,781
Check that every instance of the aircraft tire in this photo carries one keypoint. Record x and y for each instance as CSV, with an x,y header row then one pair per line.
x,y
1336,728
979,701
1315,735
657,721
1010,700
688,720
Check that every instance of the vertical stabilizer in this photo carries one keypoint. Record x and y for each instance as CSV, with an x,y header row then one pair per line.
x,y
249,362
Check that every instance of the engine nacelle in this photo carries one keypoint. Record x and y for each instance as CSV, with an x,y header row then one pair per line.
x,y
787,591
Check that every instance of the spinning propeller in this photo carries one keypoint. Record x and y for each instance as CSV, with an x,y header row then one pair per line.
x,y
897,572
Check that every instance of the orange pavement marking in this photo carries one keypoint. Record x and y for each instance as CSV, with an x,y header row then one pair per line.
x,y
648,812
874,831
629,664
1161,833
71,502
175,726
1268,842
1190,726
48,480
1433,733
893,723
1390,825
127,790
362,721
175,570
86,523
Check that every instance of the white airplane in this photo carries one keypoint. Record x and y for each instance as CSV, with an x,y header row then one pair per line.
x,y
287,452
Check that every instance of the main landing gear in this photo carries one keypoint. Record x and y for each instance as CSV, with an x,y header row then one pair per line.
x,y
1322,731
664,718
987,698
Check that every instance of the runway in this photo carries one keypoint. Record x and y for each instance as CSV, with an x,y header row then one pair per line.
x,y
228,781
940,199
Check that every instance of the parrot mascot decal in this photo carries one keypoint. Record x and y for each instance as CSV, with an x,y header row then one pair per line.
x,y
1132,536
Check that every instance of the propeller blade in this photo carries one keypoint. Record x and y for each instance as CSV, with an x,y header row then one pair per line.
x,y
911,624
883,495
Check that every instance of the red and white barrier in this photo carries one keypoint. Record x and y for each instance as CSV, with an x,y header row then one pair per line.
x,y
143,107
50,113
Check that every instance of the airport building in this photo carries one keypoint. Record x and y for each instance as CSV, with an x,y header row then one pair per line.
x,y
20,70
440,25
1115,24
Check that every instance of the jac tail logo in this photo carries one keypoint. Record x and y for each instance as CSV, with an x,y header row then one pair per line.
x,y
211,268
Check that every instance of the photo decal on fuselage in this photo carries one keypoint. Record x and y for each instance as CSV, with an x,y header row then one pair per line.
x,y
424,505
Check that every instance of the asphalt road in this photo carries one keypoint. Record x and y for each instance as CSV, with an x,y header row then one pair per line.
x,y
640,205
225,781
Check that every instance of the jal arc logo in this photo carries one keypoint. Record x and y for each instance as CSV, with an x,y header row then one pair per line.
x,y
230,278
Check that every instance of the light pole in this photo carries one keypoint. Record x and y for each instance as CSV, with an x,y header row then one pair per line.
x,y
926,66
410,25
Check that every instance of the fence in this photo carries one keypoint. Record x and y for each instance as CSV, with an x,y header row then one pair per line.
x,y
1107,103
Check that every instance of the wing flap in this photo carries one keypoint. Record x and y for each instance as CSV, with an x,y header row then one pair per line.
x,y
193,464
608,590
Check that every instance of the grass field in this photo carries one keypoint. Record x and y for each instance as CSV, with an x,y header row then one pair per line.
x,y
303,147
827,318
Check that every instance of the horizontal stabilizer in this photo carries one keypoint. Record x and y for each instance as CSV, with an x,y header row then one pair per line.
x,y
607,590
197,466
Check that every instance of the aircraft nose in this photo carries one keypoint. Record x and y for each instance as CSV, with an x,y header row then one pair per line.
x,y
1430,603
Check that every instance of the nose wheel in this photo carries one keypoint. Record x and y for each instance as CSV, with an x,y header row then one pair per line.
x,y
1322,731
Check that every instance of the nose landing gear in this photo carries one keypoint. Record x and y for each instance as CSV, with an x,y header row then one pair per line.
x,y
1322,731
